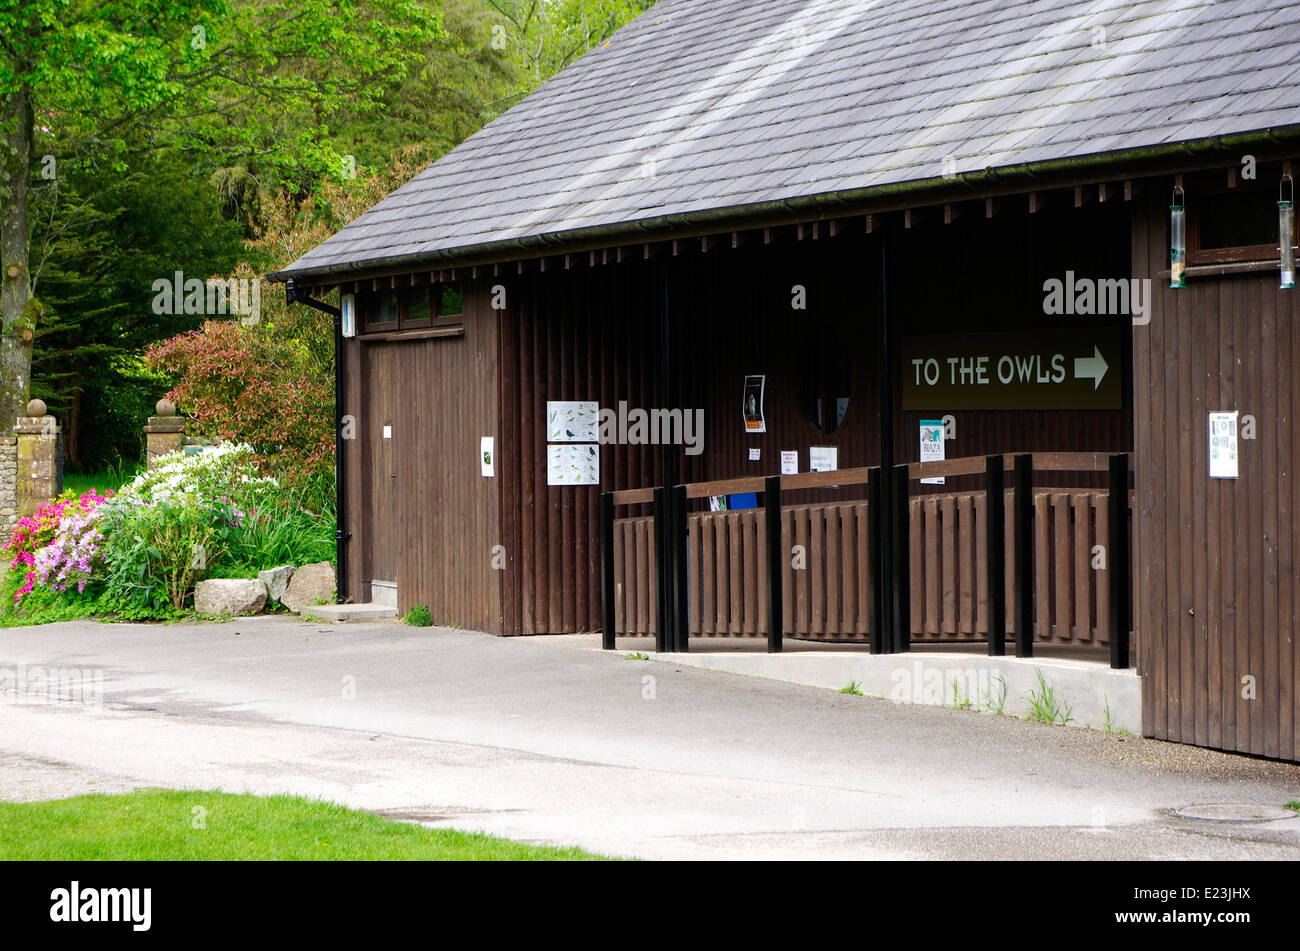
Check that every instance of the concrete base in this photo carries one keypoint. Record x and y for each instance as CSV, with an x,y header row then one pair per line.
x,y
1087,693
384,592
340,613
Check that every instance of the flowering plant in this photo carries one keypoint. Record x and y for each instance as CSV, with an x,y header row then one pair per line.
x,y
36,531
71,558
208,477
61,543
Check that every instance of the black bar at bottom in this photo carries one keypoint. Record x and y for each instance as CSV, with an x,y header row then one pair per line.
x,y
775,563
995,555
607,622
1023,515
1117,562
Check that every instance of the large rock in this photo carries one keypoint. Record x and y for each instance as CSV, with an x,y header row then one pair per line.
x,y
310,585
232,596
276,581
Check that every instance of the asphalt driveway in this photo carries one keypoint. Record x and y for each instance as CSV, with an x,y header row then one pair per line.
x,y
550,740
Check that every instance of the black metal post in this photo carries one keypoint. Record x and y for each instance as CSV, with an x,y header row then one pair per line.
x,y
1117,562
681,622
902,571
607,570
662,582
775,564
1023,514
877,520
995,555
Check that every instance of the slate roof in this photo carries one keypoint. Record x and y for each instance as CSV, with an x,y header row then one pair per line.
x,y
710,104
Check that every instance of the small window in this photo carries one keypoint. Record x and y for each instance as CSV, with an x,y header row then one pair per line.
x,y
380,310
418,312
1238,219
1233,225
450,302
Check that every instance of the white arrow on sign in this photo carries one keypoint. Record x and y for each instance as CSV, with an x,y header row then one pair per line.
x,y
1091,368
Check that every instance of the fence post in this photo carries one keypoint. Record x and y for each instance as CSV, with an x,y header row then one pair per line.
x,y
37,462
902,568
1023,514
1117,562
878,561
678,524
607,621
662,581
775,564
995,555
164,433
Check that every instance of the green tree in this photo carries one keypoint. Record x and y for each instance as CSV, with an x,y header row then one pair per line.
x,y
105,84
95,287
544,36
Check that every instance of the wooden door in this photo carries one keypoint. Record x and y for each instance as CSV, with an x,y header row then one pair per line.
x,y
381,434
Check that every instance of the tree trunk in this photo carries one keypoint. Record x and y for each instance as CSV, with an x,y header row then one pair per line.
x,y
18,310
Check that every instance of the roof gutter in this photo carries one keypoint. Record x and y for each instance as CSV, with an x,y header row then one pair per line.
x,y
736,214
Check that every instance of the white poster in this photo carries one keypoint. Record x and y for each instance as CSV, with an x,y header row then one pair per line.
x,y
573,465
932,446
572,421
1223,445
823,458
486,460
789,462
755,455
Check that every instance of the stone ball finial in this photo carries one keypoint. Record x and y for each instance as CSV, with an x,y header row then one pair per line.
x,y
166,407
36,408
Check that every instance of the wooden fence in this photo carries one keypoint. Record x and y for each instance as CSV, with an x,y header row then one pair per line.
x,y
826,571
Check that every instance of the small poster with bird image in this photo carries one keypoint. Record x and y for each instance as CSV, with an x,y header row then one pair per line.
x,y
752,405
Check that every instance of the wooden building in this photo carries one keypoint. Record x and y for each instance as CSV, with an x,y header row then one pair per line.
x,y
867,218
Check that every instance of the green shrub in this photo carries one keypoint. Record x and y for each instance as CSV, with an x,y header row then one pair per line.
x,y
419,616
157,553
210,514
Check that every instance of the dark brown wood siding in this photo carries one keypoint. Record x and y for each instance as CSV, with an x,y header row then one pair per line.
x,y
584,334
1216,580
595,332
417,505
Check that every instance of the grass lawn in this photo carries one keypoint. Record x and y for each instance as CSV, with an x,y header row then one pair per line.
x,y
161,824
111,478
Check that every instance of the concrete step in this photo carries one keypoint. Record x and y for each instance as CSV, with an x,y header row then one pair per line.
x,y
340,613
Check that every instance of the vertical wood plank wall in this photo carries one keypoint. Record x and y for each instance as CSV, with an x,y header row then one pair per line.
x,y
593,334
1216,590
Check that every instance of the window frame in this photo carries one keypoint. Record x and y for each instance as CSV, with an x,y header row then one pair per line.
x,y
405,321
435,304
1260,254
367,305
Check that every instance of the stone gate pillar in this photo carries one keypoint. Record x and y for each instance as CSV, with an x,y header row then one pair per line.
x,y
8,486
165,432
39,459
